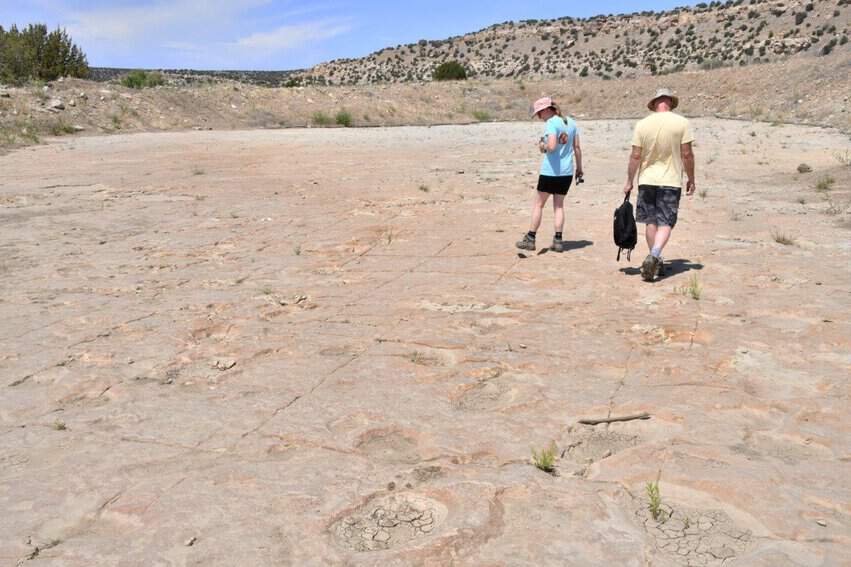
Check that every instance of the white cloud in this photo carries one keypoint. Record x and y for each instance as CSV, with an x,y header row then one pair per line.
x,y
286,37
206,33
160,18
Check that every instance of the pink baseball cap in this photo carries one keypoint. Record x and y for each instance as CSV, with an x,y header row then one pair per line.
x,y
542,104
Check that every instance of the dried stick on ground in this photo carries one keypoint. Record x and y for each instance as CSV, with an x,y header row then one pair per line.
x,y
614,419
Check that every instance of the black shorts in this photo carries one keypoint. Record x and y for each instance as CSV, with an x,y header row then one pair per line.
x,y
554,185
658,205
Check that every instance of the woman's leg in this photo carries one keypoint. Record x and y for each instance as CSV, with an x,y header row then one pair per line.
x,y
558,210
537,210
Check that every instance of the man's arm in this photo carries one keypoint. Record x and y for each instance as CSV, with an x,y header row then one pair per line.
x,y
632,169
688,163
577,152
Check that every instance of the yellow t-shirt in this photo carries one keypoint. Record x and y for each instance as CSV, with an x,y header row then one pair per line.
x,y
660,136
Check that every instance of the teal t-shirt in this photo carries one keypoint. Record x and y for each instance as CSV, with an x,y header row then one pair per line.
x,y
560,162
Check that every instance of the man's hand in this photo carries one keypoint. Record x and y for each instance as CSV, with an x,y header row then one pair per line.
x,y
563,138
628,187
690,188
542,147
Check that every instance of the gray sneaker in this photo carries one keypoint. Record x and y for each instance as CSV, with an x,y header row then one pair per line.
x,y
649,268
528,243
558,245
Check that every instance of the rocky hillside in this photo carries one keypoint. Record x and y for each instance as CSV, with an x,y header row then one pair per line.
x,y
705,36
793,90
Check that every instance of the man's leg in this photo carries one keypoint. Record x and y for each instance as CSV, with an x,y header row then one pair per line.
x,y
650,235
660,239
667,210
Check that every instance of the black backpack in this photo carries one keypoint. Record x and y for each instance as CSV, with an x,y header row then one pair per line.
x,y
625,232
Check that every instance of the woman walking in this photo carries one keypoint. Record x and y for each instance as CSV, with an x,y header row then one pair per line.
x,y
560,146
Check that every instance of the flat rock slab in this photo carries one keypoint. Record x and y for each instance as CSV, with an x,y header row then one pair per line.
x,y
316,347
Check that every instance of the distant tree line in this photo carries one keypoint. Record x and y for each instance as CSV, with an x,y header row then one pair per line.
x,y
34,53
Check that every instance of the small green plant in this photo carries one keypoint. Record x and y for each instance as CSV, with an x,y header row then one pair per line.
x,y
692,289
142,79
844,158
655,499
424,188
116,121
61,128
782,238
417,357
686,523
481,115
198,171
59,425
804,168
266,291
297,250
545,459
321,119
825,184
343,118
703,193
802,201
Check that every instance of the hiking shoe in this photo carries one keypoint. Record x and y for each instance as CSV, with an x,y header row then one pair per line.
x,y
528,243
558,245
649,268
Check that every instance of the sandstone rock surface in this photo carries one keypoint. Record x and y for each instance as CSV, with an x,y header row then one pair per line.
x,y
260,355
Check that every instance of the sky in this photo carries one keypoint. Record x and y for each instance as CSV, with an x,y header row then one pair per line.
x,y
276,34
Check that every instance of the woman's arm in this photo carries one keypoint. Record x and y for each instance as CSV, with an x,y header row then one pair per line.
x,y
577,152
550,145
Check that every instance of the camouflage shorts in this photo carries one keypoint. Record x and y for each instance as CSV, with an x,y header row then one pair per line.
x,y
658,205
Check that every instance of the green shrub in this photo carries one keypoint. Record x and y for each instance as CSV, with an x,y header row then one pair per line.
x,y
142,79
481,115
450,71
36,54
60,128
343,118
321,119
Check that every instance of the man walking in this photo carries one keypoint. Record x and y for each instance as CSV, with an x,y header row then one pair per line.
x,y
661,149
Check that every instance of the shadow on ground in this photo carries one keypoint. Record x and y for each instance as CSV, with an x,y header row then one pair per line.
x,y
568,246
672,268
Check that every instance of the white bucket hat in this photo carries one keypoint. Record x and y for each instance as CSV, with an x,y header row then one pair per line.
x,y
675,101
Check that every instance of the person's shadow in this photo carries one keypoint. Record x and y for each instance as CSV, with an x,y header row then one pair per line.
x,y
672,268
570,245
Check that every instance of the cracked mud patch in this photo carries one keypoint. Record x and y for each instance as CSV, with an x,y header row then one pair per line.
x,y
694,538
389,522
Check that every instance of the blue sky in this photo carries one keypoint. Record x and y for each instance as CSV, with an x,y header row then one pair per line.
x,y
275,34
